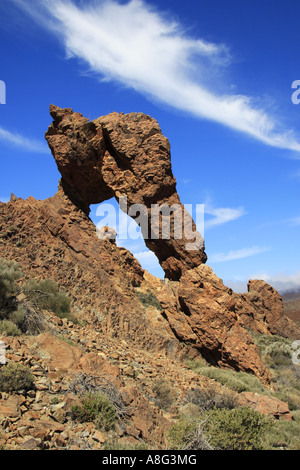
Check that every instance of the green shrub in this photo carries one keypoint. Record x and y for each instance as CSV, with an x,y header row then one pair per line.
x,y
95,407
221,429
15,377
237,381
116,445
177,435
28,319
9,274
9,328
287,386
210,397
164,393
46,295
18,316
284,435
189,434
275,350
148,299
238,429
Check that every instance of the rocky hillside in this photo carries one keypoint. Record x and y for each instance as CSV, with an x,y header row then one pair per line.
x,y
149,391
291,303
132,330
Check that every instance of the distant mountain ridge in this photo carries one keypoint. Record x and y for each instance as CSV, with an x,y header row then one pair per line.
x,y
291,304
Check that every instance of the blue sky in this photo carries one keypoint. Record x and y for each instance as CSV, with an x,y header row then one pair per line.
x,y
218,78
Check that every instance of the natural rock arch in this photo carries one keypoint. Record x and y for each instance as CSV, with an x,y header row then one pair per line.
x,y
125,155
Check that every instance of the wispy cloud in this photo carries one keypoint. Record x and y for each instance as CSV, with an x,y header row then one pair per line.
x,y
237,254
221,215
4,199
281,281
141,47
290,222
22,142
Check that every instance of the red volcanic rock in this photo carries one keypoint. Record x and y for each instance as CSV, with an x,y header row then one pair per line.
x,y
54,239
127,157
269,406
267,300
209,316
201,312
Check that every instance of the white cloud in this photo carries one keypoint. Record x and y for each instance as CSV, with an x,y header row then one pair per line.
x,y
221,215
237,254
140,47
22,142
280,281
4,199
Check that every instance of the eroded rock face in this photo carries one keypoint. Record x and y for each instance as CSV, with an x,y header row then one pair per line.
x,y
265,298
269,406
201,312
54,239
126,156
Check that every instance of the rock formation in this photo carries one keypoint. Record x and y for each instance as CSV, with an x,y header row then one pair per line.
x,y
54,239
127,156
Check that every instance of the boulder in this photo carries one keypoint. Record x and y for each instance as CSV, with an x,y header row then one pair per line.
x,y
269,406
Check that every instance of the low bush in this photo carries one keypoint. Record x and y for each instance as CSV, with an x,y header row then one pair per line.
x,y
238,429
276,353
189,434
29,319
113,444
221,429
18,316
210,397
46,295
86,384
284,435
237,381
15,377
275,350
9,328
148,299
177,435
9,274
164,393
97,408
